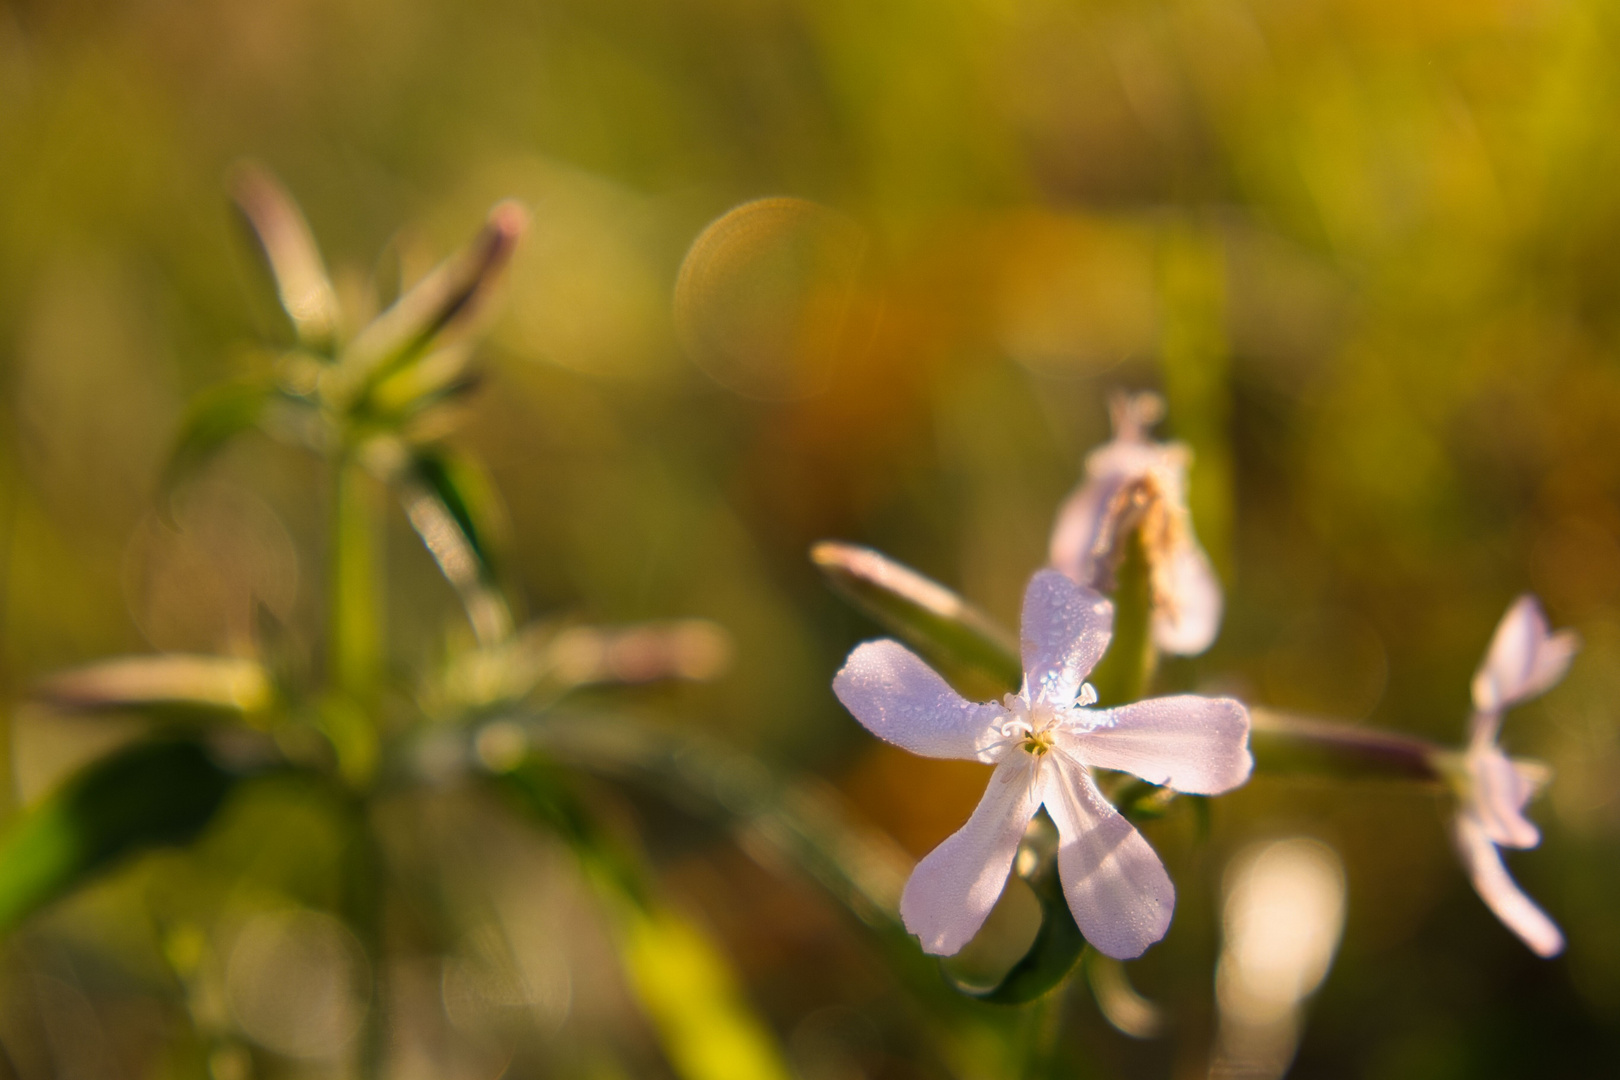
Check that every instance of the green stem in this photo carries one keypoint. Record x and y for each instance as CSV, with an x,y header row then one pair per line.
x,y
1126,670
1042,1024
354,632
354,645
1292,744
365,900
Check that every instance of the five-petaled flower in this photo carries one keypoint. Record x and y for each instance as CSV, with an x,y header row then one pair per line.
x,y
1524,659
1044,741
1135,484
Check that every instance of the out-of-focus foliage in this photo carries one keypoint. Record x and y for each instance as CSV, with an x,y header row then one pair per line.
x,y
1366,250
153,793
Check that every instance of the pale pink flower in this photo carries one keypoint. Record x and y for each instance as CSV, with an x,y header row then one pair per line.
x,y
1524,660
1134,483
1044,742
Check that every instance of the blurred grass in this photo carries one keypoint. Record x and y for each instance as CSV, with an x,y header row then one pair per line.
x,y
1368,249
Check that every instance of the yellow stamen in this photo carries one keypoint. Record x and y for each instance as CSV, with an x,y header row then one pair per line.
x,y
1037,742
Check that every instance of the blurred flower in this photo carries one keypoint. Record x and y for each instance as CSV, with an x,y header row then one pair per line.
x,y
1524,660
1135,484
1044,742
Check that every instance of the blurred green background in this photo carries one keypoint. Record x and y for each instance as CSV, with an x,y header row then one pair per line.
x,y
1367,249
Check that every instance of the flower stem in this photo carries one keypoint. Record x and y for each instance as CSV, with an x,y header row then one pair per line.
x,y
1283,743
365,903
354,647
1042,1026
354,629
1127,668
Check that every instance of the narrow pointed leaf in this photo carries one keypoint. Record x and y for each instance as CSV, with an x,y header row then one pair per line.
x,y
465,496
952,634
165,683
147,795
302,283
448,503
449,294
441,377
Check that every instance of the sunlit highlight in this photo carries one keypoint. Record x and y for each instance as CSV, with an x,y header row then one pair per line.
x,y
1285,904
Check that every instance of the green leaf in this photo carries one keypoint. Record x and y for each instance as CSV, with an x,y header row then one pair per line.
x,y
169,682
448,503
302,283
550,659
956,637
147,795
465,495
410,394
214,417
448,294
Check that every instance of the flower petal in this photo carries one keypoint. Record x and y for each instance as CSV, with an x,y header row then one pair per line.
x,y
1188,613
1072,550
955,886
1194,744
1116,886
1499,891
1064,632
1524,658
1498,797
902,700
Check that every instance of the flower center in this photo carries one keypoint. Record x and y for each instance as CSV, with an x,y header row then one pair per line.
x,y
1033,727
1037,743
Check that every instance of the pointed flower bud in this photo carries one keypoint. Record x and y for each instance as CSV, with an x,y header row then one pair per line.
x,y
1134,484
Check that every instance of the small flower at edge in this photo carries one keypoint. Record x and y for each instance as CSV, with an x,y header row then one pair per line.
x,y
1134,483
1044,741
1524,660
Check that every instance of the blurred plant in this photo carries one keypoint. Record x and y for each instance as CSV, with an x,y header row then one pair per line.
x,y
1014,898
374,406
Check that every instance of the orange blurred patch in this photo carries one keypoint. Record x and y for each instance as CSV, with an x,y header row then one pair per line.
x,y
918,801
